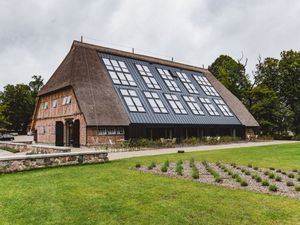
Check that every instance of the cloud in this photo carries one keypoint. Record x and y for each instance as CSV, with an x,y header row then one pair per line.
x,y
36,35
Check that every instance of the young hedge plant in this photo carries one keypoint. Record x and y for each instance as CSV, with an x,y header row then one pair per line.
x,y
273,188
195,173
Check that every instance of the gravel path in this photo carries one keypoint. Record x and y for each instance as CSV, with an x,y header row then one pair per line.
x,y
246,173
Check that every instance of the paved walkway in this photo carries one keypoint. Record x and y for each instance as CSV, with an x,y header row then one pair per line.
x,y
123,155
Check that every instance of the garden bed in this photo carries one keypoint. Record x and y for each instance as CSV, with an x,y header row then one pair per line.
x,y
262,180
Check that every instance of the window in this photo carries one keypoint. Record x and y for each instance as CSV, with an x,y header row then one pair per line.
x,y
195,108
101,131
170,82
45,105
120,131
155,102
223,107
133,102
175,104
111,131
147,76
118,72
187,82
209,107
206,85
54,104
67,100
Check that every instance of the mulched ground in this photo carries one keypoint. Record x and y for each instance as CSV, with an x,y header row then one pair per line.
x,y
228,181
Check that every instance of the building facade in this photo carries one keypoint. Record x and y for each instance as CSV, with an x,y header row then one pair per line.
x,y
102,96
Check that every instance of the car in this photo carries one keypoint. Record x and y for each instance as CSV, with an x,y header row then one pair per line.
x,y
6,137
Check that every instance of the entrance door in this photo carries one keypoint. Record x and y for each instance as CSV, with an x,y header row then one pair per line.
x,y
59,133
76,134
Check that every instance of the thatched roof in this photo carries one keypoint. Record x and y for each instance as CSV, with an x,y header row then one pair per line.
x,y
85,73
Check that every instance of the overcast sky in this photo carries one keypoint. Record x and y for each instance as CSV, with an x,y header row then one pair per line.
x,y
36,35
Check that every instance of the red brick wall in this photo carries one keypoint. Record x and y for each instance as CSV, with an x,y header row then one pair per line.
x,y
45,119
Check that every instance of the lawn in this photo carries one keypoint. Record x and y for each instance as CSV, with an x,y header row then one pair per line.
x,y
112,193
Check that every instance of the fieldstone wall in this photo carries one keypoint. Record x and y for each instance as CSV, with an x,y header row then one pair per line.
x,y
20,147
28,162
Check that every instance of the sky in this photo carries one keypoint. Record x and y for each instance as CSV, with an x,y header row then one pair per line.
x,y
36,35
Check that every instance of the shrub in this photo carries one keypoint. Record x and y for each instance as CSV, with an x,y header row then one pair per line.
x,y
284,173
223,167
179,170
258,179
244,183
298,179
290,183
191,141
243,170
164,168
179,162
225,170
229,173
278,171
253,176
151,166
273,188
218,163
192,162
247,173
255,168
272,168
249,165
297,188
278,178
295,170
238,179
265,183
233,165
138,165
195,173
218,180
235,175
271,175
167,163
266,173
291,175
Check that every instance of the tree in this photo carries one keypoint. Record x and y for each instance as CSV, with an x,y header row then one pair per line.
x,y
36,84
289,67
3,120
232,75
18,105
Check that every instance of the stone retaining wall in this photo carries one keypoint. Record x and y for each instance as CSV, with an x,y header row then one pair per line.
x,y
34,149
28,162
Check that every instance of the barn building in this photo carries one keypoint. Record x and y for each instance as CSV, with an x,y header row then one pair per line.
x,y
100,95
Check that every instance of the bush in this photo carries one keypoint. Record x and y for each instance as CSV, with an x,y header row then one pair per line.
x,y
167,163
297,188
195,173
229,173
298,179
266,173
249,165
271,168
255,168
238,179
243,170
179,170
295,170
290,183
179,162
164,168
258,179
191,141
151,166
265,183
271,175
291,175
218,180
218,164
235,175
273,188
233,165
284,173
192,162
278,178
138,165
248,173
278,171
244,183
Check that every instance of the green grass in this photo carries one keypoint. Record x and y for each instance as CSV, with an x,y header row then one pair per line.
x,y
112,193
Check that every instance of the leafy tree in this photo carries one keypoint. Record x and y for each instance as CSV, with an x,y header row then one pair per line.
x,y
36,84
3,120
289,66
18,106
232,75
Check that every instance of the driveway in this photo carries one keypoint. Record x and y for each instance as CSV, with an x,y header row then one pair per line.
x,y
123,155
